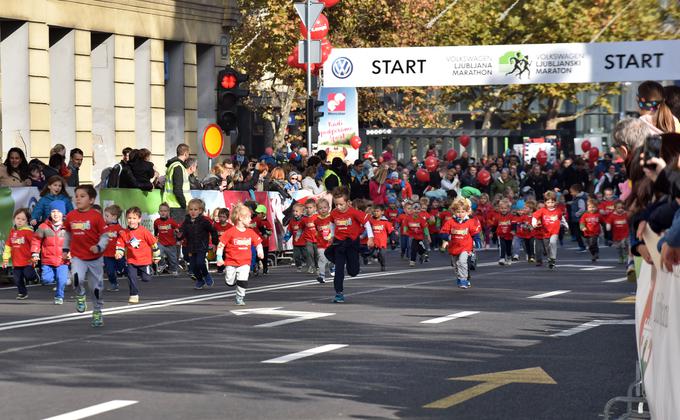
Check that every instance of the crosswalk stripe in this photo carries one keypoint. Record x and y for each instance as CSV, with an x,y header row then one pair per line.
x,y
305,353
549,294
449,317
93,410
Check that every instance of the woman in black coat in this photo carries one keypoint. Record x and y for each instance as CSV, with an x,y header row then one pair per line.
x,y
142,169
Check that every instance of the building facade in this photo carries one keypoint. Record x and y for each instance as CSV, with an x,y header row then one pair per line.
x,y
101,75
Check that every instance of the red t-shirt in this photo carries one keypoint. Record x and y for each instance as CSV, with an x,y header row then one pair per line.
x,y
263,224
349,224
112,231
391,215
323,229
401,221
221,228
461,234
524,229
165,231
563,209
238,246
20,243
591,222
296,228
491,220
415,227
445,216
482,212
138,245
606,207
504,226
309,233
550,220
619,224
434,222
381,230
86,229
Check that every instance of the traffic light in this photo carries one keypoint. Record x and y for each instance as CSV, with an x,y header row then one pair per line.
x,y
229,94
313,113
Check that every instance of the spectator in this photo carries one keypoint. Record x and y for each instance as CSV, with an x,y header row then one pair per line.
x,y
359,179
463,160
75,161
293,183
309,181
672,95
60,149
35,171
504,182
120,175
54,165
276,181
388,154
177,191
335,176
653,109
450,182
237,181
213,181
413,165
377,187
537,181
192,170
240,158
469,178
14,171
610,179
142,169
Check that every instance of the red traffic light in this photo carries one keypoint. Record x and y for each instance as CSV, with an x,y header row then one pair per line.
x,y
229,81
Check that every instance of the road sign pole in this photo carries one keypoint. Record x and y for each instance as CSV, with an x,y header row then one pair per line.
x,y
309,75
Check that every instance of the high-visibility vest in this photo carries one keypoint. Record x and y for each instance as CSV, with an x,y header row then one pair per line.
x,y
329,173
169,195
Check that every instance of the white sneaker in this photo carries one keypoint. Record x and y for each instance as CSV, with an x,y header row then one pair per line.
x,y
133,299
508,261
501,261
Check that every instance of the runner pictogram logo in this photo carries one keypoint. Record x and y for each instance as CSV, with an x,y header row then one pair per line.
x,y
515,63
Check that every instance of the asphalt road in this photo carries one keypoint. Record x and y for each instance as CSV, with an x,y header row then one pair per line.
x,y
182,354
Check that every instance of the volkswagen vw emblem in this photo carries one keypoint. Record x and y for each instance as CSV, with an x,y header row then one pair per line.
x,y
342,67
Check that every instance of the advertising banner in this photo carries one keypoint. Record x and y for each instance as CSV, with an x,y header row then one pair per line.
x,y
340,122
503,64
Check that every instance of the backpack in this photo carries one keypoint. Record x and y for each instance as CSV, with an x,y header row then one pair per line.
x,y
113,177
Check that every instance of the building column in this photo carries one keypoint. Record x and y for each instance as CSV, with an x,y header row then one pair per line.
x,y
207,99
62,87
124,95
174,97
143,93
191,100
38,144
14,69
83,101
157,81
104,112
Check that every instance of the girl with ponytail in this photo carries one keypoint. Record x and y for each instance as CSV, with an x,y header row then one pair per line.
x,y
653,108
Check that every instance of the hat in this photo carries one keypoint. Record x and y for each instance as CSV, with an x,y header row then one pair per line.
x,y
58,205
292,174
394,175
261,209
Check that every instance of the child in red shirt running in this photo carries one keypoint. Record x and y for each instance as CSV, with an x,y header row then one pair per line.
x,y
47,243
504,232
460,230
139,245
382,229
590,227
87,239
483,213
296,231
404,239
236,244
550,219
347,224
309,235
165,230
18,248
617,224
524,230
392,212
606,207
112,266
435,223
222,224
324,236
264,229
416,228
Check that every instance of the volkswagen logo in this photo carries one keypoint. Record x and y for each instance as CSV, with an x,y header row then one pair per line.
x,y
342,67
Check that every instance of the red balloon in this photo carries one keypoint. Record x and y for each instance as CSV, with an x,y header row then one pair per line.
x,y
542,157
593,154
319,29
422,175
355,142
292,156
484,177
330,3
585,145
451,155
431,163
326,49
464,140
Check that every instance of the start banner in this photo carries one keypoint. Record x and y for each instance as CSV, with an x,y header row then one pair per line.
x,y
503,64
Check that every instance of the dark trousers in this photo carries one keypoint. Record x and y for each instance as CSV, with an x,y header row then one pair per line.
x,y
575,229
343,253
380,253
112,267
505,246
299,255
416,249
265,260
134,272
21,275
197,266
405,243
528,246
592,245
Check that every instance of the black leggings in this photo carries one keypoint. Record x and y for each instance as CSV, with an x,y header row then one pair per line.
x,y
505,246
416,248
343,253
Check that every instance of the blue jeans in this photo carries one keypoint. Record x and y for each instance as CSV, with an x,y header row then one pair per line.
x,y
198,267
112,266
405,243
61,273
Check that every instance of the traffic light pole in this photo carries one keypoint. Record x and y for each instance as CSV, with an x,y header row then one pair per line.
x,y
309,76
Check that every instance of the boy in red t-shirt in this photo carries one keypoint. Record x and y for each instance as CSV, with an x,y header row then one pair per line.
x,y
222,224
416,228
606,207
550,219
87,239
434,223
139,246
460,229
382,229
504,231
404,240
324,236
18,248
590,227
264,229
295,232
347,224
392,212
309,235
236,244
113,266
524,230
617,224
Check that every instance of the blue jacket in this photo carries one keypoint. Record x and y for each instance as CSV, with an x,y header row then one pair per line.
x,y
41,211
672,235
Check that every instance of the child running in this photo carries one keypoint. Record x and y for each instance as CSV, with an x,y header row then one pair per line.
x,y
264,229
198,231
324,236
381,231
415,227
236,244
504,225
113,266
550,218
525,232
460,229
47,244
295,231
222,224
347,225
139,245
18,248
309,235
86,238
590,227
617,224
165,230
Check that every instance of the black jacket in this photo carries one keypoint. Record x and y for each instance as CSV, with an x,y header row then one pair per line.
x,y
198,233
142,171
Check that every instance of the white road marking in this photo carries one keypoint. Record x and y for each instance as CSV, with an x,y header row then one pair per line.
x,y
93,410
549,294
306,353
619,280
585,267
297,315
593,324
598,267
449,317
